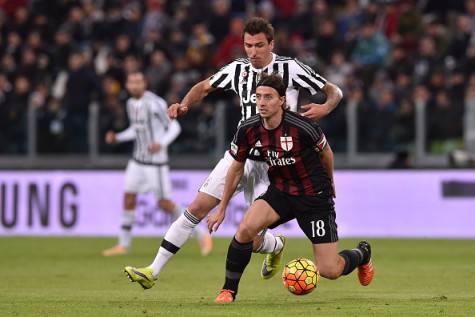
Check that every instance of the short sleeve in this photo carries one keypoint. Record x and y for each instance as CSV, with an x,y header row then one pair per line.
x,y
239,146
303,76
318,139
224,78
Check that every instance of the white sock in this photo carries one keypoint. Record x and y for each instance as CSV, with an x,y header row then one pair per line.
x,y
125,236
198,233
270,244
176,236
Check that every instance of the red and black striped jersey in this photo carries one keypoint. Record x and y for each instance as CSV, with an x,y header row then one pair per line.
x,y
291,150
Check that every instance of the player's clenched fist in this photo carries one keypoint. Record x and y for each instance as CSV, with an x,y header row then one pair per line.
x,y
177,110
110,137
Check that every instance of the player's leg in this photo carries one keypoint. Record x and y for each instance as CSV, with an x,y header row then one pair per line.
x,y
181,229
332,264
320,227
133,178
255,184
201,234
125,235
259,216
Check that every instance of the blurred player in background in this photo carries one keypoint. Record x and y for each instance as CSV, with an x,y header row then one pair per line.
x,y
301,187
242,76
148,171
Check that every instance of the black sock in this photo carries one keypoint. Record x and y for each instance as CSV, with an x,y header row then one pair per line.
x,y
353,258
239,255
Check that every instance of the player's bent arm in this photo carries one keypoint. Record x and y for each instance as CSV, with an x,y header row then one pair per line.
x,y
197,93
334,96
126,135
326,158
318,111
233,177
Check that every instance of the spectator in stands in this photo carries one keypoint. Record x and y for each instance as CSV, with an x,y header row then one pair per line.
x,y
16,109
219,19
82,86
175,42
444,128
231,46
158,72
371,50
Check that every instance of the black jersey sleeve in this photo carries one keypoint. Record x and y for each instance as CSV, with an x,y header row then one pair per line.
x,y
240,146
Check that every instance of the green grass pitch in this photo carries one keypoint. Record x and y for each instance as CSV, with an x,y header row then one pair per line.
x,y
69,277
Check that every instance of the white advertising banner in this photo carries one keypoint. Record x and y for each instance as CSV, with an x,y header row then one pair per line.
x,y
368,204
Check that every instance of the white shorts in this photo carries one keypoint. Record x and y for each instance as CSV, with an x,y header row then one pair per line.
x,y
254,181
142,178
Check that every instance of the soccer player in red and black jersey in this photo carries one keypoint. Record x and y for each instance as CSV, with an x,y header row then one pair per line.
x,y
301,186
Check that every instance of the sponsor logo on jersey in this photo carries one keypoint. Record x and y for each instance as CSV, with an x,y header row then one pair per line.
x,y
249,99
274,160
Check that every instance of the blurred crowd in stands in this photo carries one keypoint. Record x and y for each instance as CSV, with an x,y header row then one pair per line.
x,y
59,56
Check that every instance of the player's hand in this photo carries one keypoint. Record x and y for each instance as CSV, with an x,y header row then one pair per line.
x,y
110,137
215,220
315,111
154,148
177,110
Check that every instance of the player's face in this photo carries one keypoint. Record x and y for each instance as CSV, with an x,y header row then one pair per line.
x,y
258,49
268,102
136,84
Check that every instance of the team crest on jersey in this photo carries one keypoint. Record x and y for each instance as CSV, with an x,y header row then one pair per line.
x,y
286,143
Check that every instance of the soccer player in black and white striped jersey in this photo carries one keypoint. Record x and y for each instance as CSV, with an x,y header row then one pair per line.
x,y
242,76
152,131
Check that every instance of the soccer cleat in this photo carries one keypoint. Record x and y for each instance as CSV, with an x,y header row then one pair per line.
x,y
206,244
225,296
143,276
115,251
271,263
365,270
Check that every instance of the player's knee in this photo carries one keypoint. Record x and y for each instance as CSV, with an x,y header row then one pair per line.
x,y
197,209
245,233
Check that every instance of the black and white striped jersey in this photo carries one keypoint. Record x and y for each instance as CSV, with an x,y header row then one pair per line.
x,y
241,77
149,123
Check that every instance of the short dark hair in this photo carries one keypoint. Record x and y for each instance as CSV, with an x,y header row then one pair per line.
x,y
258,25
273,81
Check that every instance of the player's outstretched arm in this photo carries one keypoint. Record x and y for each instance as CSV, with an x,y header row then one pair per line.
x,y
326,157
124,136
197,93
233,177
315,111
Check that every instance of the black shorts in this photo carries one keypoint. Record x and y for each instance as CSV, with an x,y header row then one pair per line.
x,y
315,215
